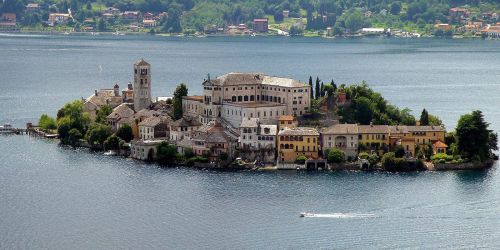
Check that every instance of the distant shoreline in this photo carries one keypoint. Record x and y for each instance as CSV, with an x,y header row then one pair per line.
x,y
107,33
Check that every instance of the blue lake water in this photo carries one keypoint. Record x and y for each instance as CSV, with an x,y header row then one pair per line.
x,y
57,198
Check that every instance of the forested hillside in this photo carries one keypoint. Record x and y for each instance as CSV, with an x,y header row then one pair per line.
x,y
196,15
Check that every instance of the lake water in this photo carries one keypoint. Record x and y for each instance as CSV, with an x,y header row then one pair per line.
x,y
53,197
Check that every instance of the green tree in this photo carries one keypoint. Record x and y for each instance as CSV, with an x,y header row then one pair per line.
x,y
97,134
335,155
424,118
173,21
296,31
311,85
102,113
373,159
223,156
125,133
388,160
395,8
63,128
180,91
101,25
166,153
74,137
301,159
329,90
46,122
363,110
474,139
112,142
354,21
317,89
399,151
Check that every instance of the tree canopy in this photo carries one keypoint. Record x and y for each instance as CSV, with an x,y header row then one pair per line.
x,y
474,140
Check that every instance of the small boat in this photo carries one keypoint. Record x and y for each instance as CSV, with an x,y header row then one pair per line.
x,y
110,153
6,129
306,214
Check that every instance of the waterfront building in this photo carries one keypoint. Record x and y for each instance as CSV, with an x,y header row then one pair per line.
x,y
439,147
155,127
100,98
260,25
214,142
123,111
287,121
427,134
257,141
293,142
183,128
142,85
341,136
8,19
140,116
32,7
144,149
237,96
58,18
374,138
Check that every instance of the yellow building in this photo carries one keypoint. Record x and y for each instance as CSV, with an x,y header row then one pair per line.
x,y
293,142
374,138
287,121
427,134
410,137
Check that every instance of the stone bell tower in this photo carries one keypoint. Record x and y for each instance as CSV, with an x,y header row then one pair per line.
x,y
142,85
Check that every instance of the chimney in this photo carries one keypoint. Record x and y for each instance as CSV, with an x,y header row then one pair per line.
x,y
95,92
130,87
371,124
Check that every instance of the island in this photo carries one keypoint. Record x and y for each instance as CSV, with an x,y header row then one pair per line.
x,y
257,121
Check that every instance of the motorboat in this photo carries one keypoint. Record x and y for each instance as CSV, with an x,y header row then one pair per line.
x,y
110,153
6,129
306,214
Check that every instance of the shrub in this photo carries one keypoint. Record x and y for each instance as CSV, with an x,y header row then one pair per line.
x,y
301,159
335,155
47,122
363,155
373,159
399,151
388,160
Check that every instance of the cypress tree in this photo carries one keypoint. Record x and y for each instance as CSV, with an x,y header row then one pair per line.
x,y
317,90
424,118
322,90
311,84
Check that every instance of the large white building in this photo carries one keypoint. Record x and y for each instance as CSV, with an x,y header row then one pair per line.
x,y
237,96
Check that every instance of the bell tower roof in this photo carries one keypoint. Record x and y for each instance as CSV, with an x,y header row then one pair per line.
x,y
142,63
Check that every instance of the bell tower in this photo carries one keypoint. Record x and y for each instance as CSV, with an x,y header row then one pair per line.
x,y
142,85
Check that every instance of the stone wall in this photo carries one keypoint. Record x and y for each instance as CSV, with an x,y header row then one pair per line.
x,y
463,166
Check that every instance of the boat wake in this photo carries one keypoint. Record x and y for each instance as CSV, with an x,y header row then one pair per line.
x,y
338,215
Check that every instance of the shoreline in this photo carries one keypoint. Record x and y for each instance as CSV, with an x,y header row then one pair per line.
x,y
120,33
331,167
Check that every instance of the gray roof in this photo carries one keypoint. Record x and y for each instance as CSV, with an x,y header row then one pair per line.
x,y
153,121
249,123
141,62
299,131
233,78
122,111
341,129
425,128
186,122
373,129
